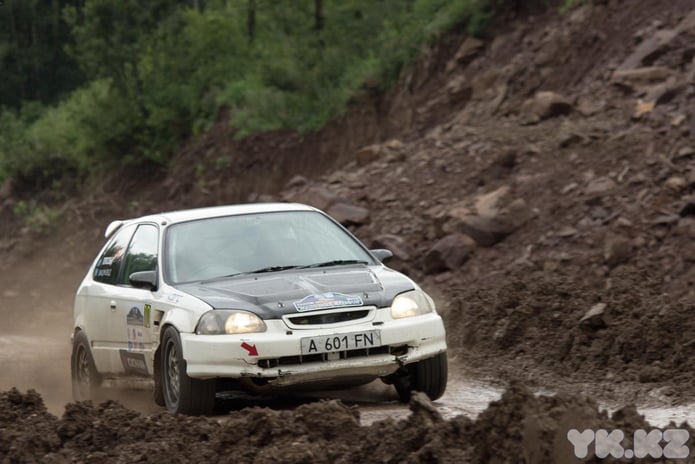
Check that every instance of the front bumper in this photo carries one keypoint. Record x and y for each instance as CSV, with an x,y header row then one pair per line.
x,y
403,341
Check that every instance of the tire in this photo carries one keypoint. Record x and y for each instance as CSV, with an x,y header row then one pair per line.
x,y
158,394
428,376
85,378
182,394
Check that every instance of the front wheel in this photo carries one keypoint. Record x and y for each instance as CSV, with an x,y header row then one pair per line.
x,y
85,378
428,376
182,394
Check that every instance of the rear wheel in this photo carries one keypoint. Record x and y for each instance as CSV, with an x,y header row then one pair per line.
x,y
85,378
428,376
182,394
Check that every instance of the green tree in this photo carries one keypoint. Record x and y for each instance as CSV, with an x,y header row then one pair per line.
x,y
110,38
33,62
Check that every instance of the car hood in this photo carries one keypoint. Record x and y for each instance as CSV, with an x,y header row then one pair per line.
x,y
275,294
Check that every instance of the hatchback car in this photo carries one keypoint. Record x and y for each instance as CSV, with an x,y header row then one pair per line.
x,y
262,297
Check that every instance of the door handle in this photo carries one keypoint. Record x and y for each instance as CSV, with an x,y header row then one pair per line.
x,y
112,305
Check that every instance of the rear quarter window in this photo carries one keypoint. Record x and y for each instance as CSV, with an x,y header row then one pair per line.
x,y
109,264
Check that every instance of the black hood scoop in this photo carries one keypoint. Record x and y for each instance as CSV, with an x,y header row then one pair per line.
x,y
273,295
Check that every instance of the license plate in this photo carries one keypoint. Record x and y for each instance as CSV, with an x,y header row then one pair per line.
x,y
341,342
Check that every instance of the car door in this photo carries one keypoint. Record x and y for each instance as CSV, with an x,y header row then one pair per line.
x,y
100,295
132,329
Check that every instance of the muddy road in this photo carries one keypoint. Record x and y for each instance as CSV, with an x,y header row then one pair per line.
x,y
35,354
36,299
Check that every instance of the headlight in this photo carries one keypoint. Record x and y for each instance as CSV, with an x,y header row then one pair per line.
x,y
413,303
219,321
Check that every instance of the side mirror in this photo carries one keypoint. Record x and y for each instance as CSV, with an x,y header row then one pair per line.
x,y
144,279
382,254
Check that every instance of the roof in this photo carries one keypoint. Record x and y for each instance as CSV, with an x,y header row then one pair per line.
x,y
173,217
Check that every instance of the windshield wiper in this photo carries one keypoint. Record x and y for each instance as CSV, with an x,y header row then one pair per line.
x,y
335,262
271,269
257,271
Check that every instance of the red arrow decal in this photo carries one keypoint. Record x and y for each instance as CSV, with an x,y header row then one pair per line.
x,y
250,348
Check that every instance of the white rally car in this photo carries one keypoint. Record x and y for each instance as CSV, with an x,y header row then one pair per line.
x,y
260,297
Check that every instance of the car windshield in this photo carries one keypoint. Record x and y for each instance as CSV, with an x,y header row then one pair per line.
x,y
265,242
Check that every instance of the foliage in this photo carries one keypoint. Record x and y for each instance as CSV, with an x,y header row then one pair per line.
x,y
46,143
33,62
37,218
151,74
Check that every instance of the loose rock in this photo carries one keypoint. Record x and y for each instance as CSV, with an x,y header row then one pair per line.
x,y
617,250
600,185
594,317
318,197
449,253
400,248
545,105
348,214
368,154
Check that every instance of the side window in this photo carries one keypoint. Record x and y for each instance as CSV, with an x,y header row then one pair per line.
x,y
109,264
142,254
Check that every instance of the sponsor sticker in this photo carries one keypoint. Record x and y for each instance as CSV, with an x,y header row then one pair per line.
x,y
148,309
135,323
134,363
327,301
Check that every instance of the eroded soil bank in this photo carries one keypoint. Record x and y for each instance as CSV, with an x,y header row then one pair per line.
x,y
520,427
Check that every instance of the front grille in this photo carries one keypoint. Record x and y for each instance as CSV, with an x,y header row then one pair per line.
x,y
328,318
322,357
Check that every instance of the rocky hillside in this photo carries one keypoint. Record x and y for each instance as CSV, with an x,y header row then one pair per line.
x,y
552,210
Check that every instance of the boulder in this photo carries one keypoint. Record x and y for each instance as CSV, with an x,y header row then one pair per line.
x,y
449,253
683,153
486,230
688,209
644,75
296,181
666,91
485,85
368,154
599,186
545,105
466,52
652,373
690,180
495,216
617,250
649,49
349,214
400,248
489,204
394,144
318,197
594,318
676,183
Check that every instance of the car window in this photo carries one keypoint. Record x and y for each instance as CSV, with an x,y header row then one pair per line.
x,y
216,247
109,263
142,253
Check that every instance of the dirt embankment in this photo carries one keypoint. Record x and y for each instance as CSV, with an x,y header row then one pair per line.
x,y
520,427
553,213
